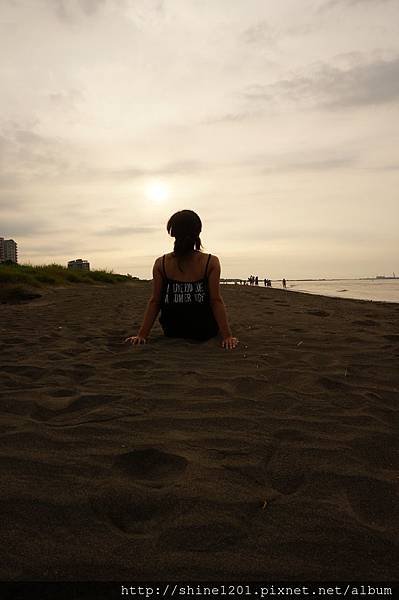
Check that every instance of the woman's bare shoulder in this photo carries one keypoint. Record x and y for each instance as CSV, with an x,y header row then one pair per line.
x,y
158,263
160,258
214,260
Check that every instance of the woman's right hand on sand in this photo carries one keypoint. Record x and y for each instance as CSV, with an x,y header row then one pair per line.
x,y
136,339
230,343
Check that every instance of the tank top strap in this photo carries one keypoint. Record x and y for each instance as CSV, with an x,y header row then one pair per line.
x,y
163,268
207,263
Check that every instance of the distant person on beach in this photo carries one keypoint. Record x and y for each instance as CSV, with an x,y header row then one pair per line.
x,y
284,283
256,280
186,289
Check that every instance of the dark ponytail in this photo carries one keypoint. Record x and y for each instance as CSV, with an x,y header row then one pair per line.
x,y
185,226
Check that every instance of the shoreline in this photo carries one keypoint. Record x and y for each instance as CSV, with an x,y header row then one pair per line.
x,y
311,293
343,298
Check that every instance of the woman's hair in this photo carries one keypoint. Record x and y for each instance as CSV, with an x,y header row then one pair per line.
x,y
185,226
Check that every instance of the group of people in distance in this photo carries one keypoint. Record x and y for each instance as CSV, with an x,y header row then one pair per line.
x,y
254,280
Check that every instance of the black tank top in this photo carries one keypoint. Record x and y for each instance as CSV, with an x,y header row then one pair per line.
x,y
185,307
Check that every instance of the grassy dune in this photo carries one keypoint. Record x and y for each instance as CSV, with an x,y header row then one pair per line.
x,y
17,280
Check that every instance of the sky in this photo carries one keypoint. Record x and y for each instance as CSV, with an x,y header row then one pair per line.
x,y
278,123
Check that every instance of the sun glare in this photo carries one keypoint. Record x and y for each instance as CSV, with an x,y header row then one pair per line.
x,y
157,191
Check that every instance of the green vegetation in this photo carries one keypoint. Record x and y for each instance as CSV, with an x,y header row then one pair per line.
x,y
54,274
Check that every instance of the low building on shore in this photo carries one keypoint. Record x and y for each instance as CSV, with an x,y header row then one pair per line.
x,y
79,264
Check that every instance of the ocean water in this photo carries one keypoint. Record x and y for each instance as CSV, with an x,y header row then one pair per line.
x,y
383,290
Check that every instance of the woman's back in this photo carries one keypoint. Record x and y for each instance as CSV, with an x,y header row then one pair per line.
x,y
185,303
186,288
192,268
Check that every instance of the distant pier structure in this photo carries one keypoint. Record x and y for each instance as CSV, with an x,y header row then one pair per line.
x,y
385,277
79,264
8,250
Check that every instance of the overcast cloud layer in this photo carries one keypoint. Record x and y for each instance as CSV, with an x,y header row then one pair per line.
x,y
277,122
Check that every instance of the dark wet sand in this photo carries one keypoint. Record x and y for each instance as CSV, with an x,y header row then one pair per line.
x,y
182,461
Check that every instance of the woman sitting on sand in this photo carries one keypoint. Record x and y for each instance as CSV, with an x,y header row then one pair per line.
x,y
186,288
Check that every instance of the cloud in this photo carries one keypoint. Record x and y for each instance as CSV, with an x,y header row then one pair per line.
x,y
321,231
30,226
231,117
111,231
318,164
259,33
26,157
136,172
65,101
387,167
68,248
331,4
330,87
69,10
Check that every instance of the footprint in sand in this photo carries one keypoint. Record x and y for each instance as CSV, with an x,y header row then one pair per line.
x,y
381,450
82,372
28,371
332,384
210,537
151,464
131,365
394,337
15,340
374,501
284,472
136,510
43,414
115,332
209,391
47,339
318,313
89,401
247,385
79,373
287,481
290,435
116,344
85,338
62,393
82,403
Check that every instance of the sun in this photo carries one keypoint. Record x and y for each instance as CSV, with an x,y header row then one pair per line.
x,y
157,191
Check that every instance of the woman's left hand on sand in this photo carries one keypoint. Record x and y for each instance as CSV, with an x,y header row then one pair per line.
x,y
230,343
136,339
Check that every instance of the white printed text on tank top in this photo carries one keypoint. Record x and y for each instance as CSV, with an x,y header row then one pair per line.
x,y
185,292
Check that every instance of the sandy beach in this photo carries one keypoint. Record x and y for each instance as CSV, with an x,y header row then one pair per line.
x,y
178,460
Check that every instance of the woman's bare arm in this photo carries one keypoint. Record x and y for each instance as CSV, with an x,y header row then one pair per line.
x,y
153,306
217,304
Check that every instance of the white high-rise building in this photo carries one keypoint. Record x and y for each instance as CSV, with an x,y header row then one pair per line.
x,y
8,250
